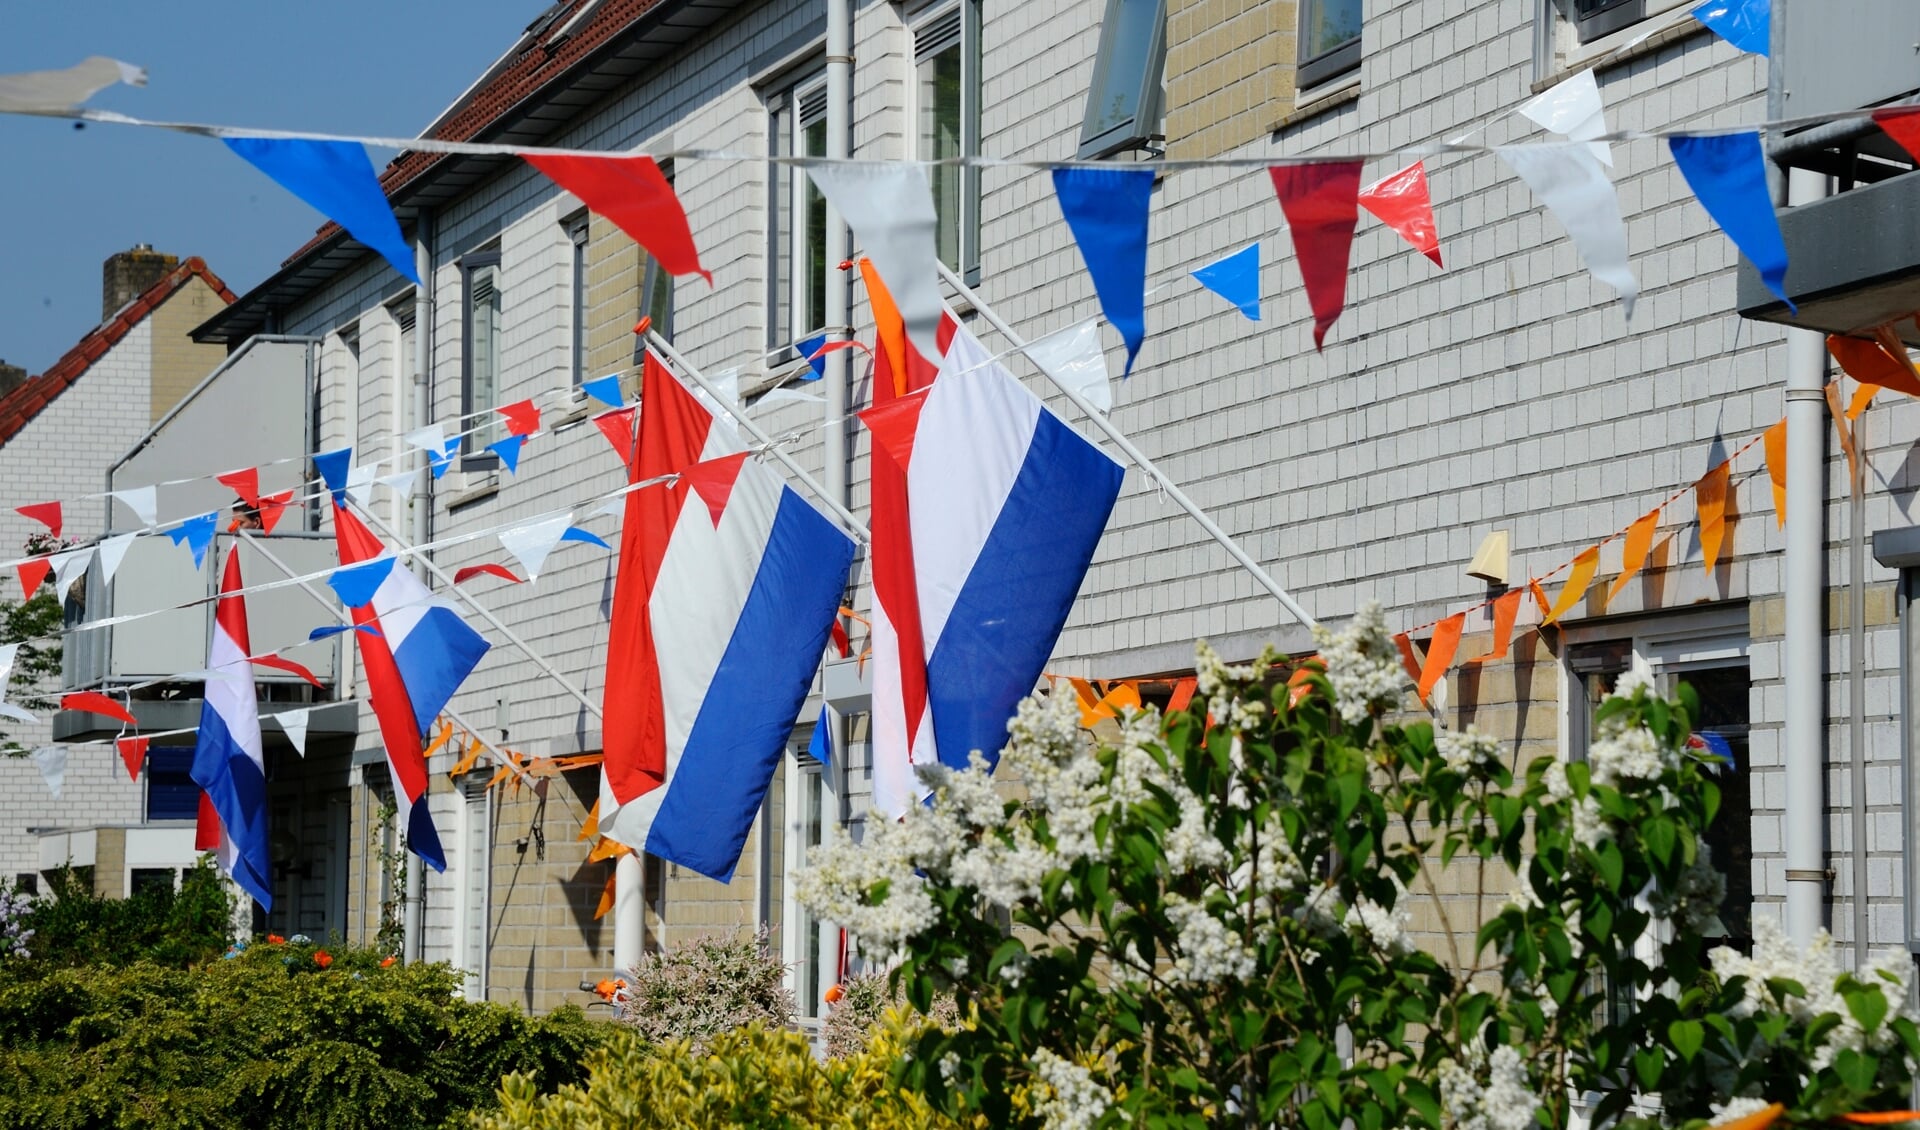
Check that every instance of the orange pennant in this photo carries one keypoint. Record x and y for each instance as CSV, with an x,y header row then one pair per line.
x,y
1908,378
1846,436
1440,649
440,739
1182,695
607,849
1120,698
466,762
1633,555
1405,644
1299,683
590,827
1869,363
1711,494
1540,600
1775,444
606,897
1506,610
1584,567
1863,395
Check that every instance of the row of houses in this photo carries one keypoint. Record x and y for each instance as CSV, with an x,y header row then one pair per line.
x,y
1504,393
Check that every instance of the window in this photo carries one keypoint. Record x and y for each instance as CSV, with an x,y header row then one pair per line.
x,y
1124,102
807,831
656,285
26,883
1595,18
797,214
155,880
577,241
947,113
480,353
171,793
1329,40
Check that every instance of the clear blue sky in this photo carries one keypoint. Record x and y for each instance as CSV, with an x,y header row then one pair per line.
x,y
69,198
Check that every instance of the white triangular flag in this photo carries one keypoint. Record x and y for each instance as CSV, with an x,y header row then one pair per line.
x,y
615,507
1074,358
531,543
52,760
788,396
1576,189
143,501
890,207
68,568
35,92
430,439
1573,109
7,709
401,484
113,550
294,723
360,485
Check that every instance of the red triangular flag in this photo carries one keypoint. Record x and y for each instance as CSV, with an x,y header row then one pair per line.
x,y
1902,124
636,196
244,483
617,426
841,643
93,702
45,513
1440,649
1404,204
523,418
894,425
713,481
206,826
272,508
32,572
489,569
281,663
1321,202
133,751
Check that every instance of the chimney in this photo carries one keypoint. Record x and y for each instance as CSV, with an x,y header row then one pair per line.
x,y
11,377
127,274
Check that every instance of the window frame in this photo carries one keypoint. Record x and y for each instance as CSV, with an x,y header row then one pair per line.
x,y
791,108
1615,15
473,453
577,234
934,29
149,772
1149,103
1333,63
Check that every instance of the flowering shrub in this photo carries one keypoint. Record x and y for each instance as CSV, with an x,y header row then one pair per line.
x,y
862,1007
1212,921
14,931
712,985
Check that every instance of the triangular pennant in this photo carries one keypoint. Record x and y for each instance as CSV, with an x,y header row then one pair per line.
x,y
1710,493
1235,278
113,550
1869,363
842,645
282,663
1540,600
1774,444
530,544
1322,204
894,425
820,745
133,753
51,760
1585,564
1728,174
432,439
356,584
32,571
508,450
45,513
617,426
337,179
1572,108
1403,202
1408,662
360,485
1073,357
1863,395
328,630
1902,124
334,467
609,893
1182,695
402,484
293,723
890,208
788,396
143,501
523,417
93,702
606,390
810,349
1440,649
636,197
1576,190
1106,210
713,481
1634,550
68,567
1746,24
40,92
469,572
273,507
585,537
1845,431
1506,609
465,765
245,483
590,827
197,534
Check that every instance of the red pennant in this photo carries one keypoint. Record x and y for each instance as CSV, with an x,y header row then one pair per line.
x,y
281,663
636,196
133,751
45,513
245,483
491,570
840,641
32,572
206,826
523,419
836,346
1405,643
93,702
617,426
894,425
1403,203
713,481
1902,124
1321,202
272,508
1440,649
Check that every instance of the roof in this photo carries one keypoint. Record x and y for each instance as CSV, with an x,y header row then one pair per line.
x,y
21,405
574,56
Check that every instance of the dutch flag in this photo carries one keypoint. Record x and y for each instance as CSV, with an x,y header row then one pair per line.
x,y
227,762
729,583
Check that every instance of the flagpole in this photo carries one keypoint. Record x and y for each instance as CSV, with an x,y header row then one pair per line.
x,y
854,525
273,560
1140,460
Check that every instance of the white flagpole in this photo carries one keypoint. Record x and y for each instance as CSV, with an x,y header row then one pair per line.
x,y
1140,460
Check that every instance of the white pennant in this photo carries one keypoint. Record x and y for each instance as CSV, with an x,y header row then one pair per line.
x,y
788,396
613,507
429,439
294,723
68,567
360,485
52,760
113,550
42,91
1074,358
401,484
727,404
143,501
890,207
531,543
1573,110
7,709
1576,189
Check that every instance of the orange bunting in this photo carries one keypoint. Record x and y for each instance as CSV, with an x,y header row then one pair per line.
x,y
607,849
590,827
1775,444
1506,609
1862,396
502,774
466,762
1440,649
1300,682
1633,555
606,900
1758,1120
1907,379
1540,600
1405,644
1711,494
1881,1117
1584,567
440,739
1182,695
1846,436
1869,363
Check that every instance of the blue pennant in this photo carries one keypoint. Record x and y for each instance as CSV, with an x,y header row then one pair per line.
x,y
1728,173
820,746
508,450
807,347
328,630
575,533
1106,209
333,467
197,533
1235,278
1747,24
356,584
337,178
606,390
439,463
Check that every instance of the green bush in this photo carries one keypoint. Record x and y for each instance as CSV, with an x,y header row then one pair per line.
x,y
172,928
279,1035
711,985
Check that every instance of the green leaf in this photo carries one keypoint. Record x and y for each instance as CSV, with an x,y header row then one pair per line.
x,y
1611,864
1660,835
1647,1066
1687,1037
1868,1005
1857,1071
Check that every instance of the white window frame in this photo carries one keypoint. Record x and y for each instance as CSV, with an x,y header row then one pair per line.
x,y
790,110
935,27
475,436
1557,50
577,298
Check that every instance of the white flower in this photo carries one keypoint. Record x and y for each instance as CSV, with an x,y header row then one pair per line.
x,y
950,1066
1466,749
1735,1108
1273,868
1558,787
1073,1100
1634,681
1215,679
1190,844
1590,825
1627,753
836,885
1207,951
1506,1101
1818,971
1386,926
1363,665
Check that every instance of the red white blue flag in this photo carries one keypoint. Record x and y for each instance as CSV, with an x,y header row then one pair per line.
x,y
227,761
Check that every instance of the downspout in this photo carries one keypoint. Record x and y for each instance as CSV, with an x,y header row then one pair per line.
x,y
421,506
1805,644
1857,689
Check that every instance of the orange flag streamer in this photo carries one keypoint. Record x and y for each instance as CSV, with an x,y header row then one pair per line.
x,y
606,898
1869,363
590,827
1182,695
1584,567
1506,609
1633,555
1862,396
1711,494
1775,444
1846,436
1405,643
1908,380
1540,600
465,764
1440,649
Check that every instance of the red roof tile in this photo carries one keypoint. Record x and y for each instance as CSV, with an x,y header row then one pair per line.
x,y
25,401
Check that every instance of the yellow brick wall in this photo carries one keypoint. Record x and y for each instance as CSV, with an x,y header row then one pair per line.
x,y
545,939
616,268
1229,73
179,363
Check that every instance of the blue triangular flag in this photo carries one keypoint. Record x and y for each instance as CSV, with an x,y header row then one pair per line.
x,y
337,178
327,630
807,347
1236,279
606,390
1728,173
333,467
197,533
575,533
820,746
508,450
1106,209
1747,24
356,584
439,463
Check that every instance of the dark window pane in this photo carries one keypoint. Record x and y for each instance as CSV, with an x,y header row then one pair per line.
x,y
151,880
780,231
171,793
940,109
1723,695
1326,24
814,140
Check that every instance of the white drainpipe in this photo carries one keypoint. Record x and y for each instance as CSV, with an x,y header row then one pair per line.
x,y
413,920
